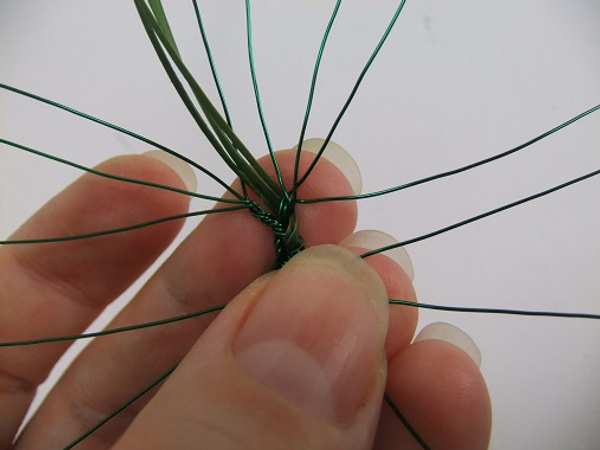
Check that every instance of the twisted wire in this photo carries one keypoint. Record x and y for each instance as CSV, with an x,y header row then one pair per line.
x,y
287,239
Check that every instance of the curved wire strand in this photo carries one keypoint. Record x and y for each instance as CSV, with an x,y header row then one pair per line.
x,y
257,97
166,34
458,170
121,408
354,91
483,215
211,63
117,177
311,93
136,226
95,334
122,130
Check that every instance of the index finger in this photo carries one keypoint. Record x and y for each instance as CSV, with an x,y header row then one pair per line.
x,y
217,260
58,288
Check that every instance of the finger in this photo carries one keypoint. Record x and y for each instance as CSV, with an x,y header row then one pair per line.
x,y
440,391
59,288
452,405
395,269
295,361
216,261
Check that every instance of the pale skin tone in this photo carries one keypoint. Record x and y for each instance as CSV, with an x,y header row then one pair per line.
x,y
212,400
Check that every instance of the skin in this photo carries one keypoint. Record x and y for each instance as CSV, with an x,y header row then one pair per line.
x,y
213,400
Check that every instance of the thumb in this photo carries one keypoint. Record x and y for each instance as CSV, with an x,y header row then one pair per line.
x,y
296,360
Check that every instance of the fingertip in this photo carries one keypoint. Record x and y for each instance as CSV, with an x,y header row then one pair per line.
x,y
375,239
442,394
180,167
393,268
452,334
322,222
339,157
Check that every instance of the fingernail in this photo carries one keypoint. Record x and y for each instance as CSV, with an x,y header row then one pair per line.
x,y
179,166
454,335
335,154
316,334
373,239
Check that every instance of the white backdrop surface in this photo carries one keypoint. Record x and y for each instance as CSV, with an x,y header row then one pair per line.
x,y
457,82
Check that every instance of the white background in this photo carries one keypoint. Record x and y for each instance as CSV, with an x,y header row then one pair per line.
x,y
457,81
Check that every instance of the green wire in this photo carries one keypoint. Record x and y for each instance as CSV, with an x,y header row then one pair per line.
x,y
514,312
118,410
211,62
122,229
446,308
120,130
116,177
387,398
405,422
163,376
215,76
354,90
459,169
147,21
237,155
311,93
483,215
140,326
257,98
222,139
241,161
231,149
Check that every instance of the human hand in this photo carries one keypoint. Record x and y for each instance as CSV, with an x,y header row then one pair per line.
x,y
297,359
